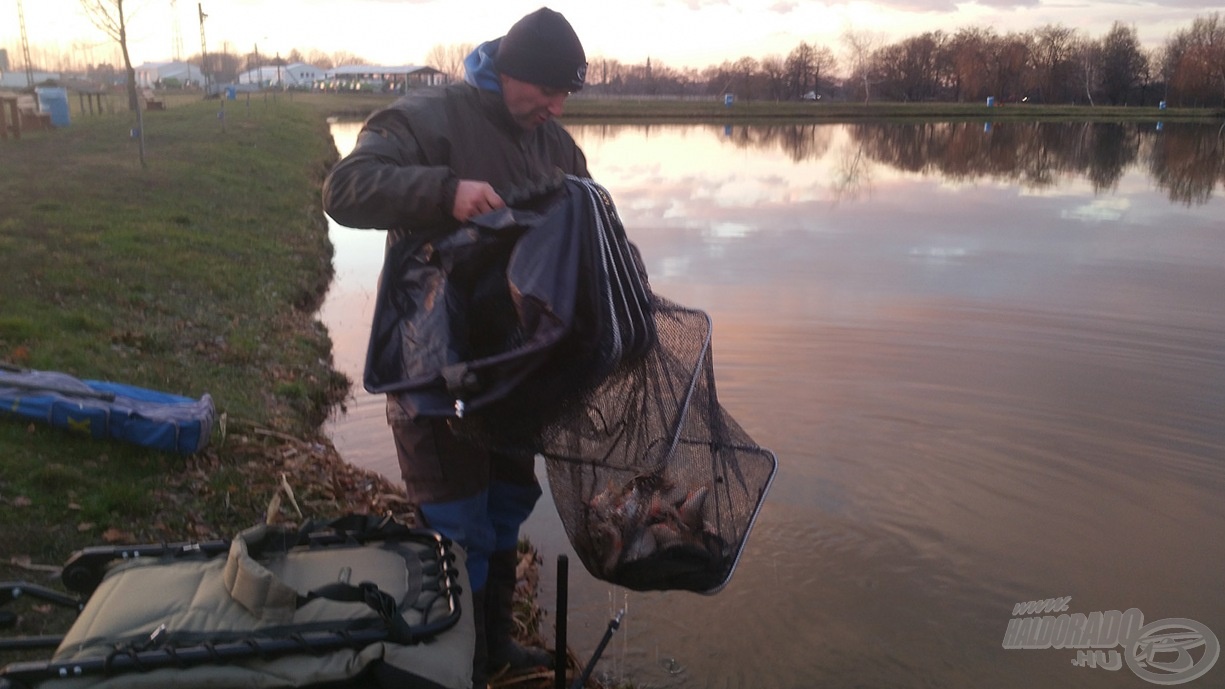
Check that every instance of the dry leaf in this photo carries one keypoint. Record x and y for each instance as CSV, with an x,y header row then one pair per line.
x,y
289,493
85,526
22,501
274,508
113,535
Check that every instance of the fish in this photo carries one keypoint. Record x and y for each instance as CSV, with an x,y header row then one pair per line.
x,y
646,518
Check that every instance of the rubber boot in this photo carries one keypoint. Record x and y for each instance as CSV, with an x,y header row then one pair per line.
x,y
504,652
480,654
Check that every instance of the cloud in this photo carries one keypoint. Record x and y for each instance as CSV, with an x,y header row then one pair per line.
x,y
783,7
910,6
919,5
1007,4
697,5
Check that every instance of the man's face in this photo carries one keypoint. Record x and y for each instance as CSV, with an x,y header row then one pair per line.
x,y
531,105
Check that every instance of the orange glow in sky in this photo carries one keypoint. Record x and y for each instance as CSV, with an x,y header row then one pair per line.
x,y
677,33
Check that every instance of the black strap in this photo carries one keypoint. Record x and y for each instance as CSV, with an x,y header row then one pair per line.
x,y
381,602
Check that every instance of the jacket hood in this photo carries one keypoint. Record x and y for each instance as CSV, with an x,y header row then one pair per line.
x,y
478,67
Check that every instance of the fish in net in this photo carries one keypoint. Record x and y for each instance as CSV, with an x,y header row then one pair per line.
x,y
546,338
656,484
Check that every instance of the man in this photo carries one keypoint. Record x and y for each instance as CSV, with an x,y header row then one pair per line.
x,y
430,161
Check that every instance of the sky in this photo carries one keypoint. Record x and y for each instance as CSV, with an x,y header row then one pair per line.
x,y
677,33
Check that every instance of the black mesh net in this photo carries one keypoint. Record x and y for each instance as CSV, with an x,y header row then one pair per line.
x,y
656,484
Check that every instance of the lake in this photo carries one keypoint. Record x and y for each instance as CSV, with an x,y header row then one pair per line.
x,y
991,361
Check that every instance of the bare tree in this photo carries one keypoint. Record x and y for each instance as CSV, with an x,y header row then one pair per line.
x,y
775,74
745,70
1089,54
861,47
1123,63
606,72
1054,62
319,59
1010,58
1151,75
823,63
911,70
971,64
342,58
800,65
449,59
108,16
1199,74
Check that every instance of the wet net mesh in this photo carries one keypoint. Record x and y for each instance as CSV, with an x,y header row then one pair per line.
x,y
656,485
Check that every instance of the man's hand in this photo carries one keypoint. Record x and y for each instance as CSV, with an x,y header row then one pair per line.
x,y
473,198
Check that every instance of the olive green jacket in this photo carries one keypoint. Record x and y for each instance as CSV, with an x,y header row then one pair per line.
x,y
409,157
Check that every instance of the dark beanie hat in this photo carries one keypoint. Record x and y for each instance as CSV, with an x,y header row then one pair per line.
x,y
543,49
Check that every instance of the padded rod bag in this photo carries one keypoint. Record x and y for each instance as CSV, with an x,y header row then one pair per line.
x,y
103,409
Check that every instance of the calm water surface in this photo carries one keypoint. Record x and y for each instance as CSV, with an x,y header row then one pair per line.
x,y
990,359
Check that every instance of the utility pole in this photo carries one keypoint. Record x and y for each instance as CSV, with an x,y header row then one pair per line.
x,y
178,32
25,45
203,47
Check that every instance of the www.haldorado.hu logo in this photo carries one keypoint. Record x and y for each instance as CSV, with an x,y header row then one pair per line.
x,y
1169,651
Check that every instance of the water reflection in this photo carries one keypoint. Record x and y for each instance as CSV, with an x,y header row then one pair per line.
x,y
1188,160
990,364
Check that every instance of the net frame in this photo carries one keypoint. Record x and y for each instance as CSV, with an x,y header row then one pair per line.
x,y
650,444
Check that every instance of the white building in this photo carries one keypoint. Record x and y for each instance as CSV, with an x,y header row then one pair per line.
x,y
291,76
16,78
153,74
382,78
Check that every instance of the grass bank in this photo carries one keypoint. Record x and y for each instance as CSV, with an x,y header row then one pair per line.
x,y
199,274
630,110
583,106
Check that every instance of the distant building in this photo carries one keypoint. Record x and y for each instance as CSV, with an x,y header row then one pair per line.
x,y
17,79
4,60
381,78
154,74
297,75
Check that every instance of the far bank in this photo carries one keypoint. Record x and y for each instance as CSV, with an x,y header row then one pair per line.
x,y
587,107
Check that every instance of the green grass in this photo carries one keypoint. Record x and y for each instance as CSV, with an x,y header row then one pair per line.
x,y
199,273
630,109
583,106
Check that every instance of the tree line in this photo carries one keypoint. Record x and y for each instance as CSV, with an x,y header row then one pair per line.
x,y
1053,64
